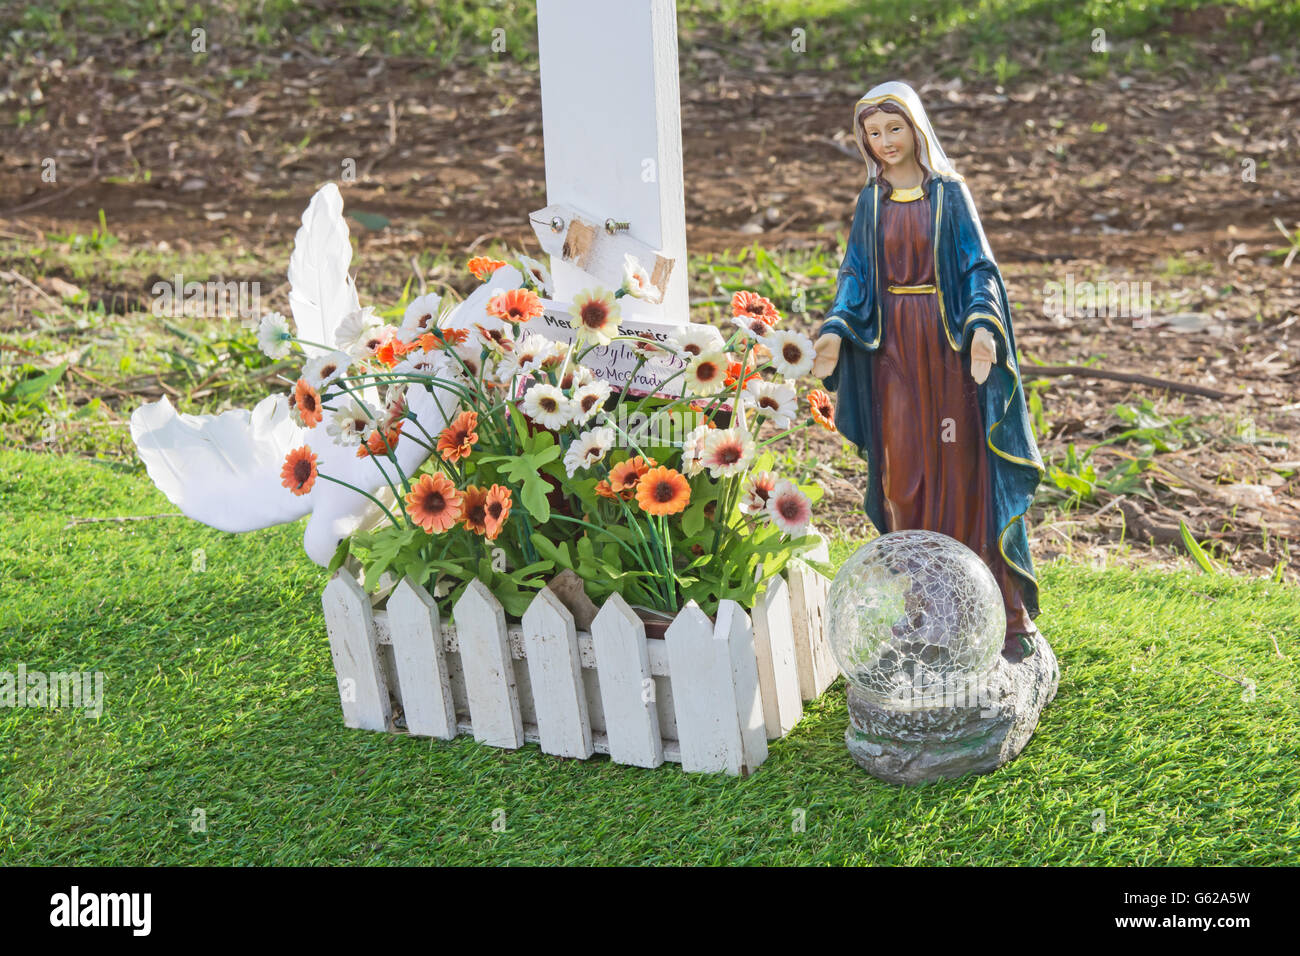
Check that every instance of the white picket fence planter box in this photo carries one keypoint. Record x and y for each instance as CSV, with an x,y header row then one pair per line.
x,y
708,696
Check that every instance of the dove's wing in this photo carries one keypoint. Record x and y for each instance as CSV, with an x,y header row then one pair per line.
x,y
321,291
224,470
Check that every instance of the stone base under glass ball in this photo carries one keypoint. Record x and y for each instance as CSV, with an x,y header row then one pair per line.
x,y
916,623
979,731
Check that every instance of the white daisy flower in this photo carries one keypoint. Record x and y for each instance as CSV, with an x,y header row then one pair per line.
x,y
636,280
470,361
273,335
789,508
527,356
323,369
350,424
654,350
775,400
589,399
707,373
757,490
695,340
753,326
354,325
536,275
419,362
595,313
576,377
371,340
395,403
589,448
547,406
727,451
792,352
421,316
692,449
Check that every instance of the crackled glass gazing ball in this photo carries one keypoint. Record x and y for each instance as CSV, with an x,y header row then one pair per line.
x,y
914,618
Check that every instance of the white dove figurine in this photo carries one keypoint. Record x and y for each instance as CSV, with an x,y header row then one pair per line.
x,y
224,470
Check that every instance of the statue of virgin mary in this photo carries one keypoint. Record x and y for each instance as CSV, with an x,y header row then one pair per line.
x,y
919,346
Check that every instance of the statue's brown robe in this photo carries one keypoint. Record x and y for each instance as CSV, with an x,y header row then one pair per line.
x,y
935,472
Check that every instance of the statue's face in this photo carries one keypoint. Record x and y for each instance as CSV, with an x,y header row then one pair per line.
x,y
890,138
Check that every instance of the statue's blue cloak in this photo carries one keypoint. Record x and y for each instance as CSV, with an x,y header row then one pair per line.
x,y
971,296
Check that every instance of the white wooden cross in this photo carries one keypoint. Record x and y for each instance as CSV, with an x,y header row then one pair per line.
x,y
611,124
612,135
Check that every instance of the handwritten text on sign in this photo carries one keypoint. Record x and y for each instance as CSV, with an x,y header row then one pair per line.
x,y
615,362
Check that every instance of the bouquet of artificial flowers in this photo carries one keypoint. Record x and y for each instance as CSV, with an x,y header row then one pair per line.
x,y
669,499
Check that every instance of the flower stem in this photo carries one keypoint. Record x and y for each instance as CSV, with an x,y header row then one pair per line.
x,y
337,481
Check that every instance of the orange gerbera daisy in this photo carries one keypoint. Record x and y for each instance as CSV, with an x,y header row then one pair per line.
x,y
457,440
307,401
299,471
701,405
380,443
516,305
475,517
822,409
483,266
605,490
391,350
434,503
663,491
733,374
496,339
624,477
498,505
754,305
441,338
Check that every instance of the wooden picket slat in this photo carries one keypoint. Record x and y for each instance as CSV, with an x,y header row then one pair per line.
x,y
627,690
489,671
423,680
363,688
734,627
704,694
817,668
555,672
774,651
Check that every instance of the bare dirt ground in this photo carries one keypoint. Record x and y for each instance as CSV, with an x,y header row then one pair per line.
x,y
1173,180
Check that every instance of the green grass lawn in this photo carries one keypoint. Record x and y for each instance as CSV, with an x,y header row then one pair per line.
x,y
220,696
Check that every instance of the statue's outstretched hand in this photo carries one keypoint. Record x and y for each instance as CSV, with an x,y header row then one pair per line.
x,y
828,355
983,353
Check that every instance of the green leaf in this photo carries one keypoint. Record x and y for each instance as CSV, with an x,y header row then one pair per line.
x,y
340,555
31,388
533,496
821,567
371,220
559,553
1079,485
693,518
1195,550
